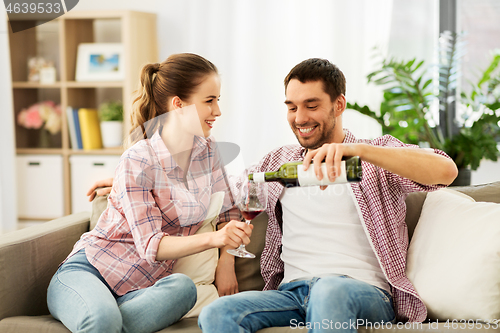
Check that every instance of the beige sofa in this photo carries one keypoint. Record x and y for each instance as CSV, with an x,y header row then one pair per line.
x,y
29,257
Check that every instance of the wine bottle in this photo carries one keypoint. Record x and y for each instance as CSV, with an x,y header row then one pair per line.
x,y
292,174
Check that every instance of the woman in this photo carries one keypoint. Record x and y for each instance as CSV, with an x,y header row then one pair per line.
x,y
118,276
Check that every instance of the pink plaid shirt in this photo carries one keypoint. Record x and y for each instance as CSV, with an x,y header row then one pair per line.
x,y
149,200
381,198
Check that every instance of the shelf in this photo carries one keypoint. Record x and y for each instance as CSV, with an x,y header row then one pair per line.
x,y
40,151
104,151
34,85
98,84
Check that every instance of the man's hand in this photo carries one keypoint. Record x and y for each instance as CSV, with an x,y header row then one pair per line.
x,y
420,165
100,187
331,154
225,277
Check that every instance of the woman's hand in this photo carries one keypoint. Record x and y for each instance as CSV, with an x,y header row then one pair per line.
x,y
232,235
100,187
225,277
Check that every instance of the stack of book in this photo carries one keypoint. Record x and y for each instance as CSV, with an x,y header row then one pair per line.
x,y
84,128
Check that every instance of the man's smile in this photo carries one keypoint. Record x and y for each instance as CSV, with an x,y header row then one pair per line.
x,y
306,131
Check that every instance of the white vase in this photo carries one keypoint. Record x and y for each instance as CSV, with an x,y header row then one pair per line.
x,y
112,133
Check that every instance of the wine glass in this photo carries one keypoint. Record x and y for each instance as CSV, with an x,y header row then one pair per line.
x,y
251,200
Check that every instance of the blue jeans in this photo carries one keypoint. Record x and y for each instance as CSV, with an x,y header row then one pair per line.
x,y
329,304
80,298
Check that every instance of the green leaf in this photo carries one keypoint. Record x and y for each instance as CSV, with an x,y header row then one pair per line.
x,y
418,66
426,84
487,73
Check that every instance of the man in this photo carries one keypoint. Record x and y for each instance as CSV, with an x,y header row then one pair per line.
x,y
334,259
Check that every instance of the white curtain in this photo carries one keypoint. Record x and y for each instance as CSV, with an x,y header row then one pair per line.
x,y
8,200
255,43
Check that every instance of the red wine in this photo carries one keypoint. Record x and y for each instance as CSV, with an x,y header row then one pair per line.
x,y
251,214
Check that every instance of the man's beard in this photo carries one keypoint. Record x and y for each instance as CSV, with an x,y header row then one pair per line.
x,y
325,135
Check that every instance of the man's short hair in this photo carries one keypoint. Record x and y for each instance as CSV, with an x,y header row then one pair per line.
x,y
316,69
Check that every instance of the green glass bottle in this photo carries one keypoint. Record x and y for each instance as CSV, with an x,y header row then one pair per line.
x,y
292,174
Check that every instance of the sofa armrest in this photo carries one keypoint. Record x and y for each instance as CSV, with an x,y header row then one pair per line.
x,y
29,258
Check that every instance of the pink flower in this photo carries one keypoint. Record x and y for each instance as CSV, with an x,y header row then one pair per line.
x,y
37,114
31,118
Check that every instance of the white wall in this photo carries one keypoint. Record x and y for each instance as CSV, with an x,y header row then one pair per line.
x,y
488,171
8,201
256,43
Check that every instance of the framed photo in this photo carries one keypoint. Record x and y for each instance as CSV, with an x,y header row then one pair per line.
x,y
100,62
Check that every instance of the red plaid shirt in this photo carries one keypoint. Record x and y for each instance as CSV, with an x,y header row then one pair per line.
x,y
149,201
381,198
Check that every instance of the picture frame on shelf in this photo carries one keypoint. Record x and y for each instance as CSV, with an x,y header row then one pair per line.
x,y
100,62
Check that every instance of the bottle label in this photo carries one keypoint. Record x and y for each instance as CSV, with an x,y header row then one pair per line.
x,y
259,177
308,178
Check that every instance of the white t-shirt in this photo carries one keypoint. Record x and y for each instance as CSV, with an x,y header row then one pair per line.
x,y
323,235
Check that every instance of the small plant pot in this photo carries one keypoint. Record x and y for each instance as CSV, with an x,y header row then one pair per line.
x,y
112,133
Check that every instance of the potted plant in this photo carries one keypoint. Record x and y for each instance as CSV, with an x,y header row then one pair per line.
x,y
111,116
411,98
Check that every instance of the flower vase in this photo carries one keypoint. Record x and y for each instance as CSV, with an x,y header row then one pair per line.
x,y
44,139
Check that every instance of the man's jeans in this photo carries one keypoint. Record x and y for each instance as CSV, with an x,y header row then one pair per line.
x,y
81,299
329,304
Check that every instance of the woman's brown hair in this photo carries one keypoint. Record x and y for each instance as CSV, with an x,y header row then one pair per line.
x,y
179,75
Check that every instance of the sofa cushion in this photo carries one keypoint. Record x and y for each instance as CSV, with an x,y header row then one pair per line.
x,y
39,324
485,192
453,258
200,267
